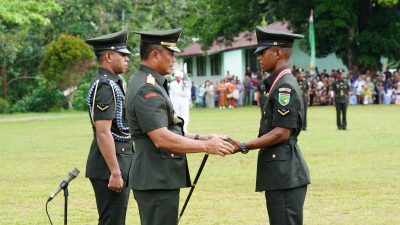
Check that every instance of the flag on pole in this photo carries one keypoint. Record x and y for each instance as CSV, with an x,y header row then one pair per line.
x,y
311,39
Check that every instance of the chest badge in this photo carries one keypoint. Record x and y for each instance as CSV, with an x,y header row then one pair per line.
x,y
150,79
284,98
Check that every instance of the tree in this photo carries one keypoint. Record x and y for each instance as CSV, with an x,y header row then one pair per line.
x,y
358,31
65,61
17,20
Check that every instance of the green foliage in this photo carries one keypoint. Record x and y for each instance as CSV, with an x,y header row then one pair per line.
x,y
65,60
27,12
223,19
79,102
4,105
45,97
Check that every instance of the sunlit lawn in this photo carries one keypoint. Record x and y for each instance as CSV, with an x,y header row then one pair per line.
x,y
355,173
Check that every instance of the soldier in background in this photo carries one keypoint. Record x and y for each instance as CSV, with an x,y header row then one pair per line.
x,y
111,151
341,89
304,87
261,92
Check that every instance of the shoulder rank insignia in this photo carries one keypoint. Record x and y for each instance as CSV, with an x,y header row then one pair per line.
x,y
150,95
150,79
102,107
283,112
284,90
175,118
284,98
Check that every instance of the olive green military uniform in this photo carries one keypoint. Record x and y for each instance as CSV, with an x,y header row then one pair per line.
x,y
304,87
106,101
156,175
341,88
262,89
281,169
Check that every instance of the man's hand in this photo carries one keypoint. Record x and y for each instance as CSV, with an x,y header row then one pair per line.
x,y
218,146
235,143
116,183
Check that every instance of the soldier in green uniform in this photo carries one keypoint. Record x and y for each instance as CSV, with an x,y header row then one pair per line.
x,y
159,168
281,169
341,89
111,152
304,87
262,91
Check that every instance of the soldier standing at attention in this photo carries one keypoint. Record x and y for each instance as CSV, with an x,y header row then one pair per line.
x,y
111,151
281,169
159,168
304,87
341,89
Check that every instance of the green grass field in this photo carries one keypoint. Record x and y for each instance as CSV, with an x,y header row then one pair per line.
x,y
355,173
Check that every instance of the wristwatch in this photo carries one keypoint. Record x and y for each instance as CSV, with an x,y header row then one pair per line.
x,y
243,148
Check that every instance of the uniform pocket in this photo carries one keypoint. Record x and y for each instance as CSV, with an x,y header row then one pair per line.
x,y
167,155
124,148
281,153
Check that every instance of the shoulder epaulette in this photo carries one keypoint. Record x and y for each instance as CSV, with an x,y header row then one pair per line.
x,y
150,79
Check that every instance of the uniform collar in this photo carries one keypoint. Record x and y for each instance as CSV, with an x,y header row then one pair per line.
x,y
160,79
111,75
271,78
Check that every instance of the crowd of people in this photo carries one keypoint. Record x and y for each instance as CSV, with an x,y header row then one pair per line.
x,y
366,88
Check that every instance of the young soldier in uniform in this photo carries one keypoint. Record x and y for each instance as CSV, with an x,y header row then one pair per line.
x,y
159,168
341,89
281,170
111,151
304,87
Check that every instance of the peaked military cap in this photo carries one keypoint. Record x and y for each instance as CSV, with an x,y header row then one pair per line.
x,y
115,41
267,38
166,38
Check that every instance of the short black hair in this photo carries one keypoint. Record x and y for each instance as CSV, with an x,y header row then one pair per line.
x,y
145,50
100,54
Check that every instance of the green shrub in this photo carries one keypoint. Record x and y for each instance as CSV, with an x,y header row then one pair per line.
x,y
79,102
4,105
45,97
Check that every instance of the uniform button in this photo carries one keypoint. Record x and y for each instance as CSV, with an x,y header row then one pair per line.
x,y
123,149
273,156
172,155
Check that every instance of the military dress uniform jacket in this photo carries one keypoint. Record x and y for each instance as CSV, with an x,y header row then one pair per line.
x,y
106,102
304,87
282,166
341,89
149,108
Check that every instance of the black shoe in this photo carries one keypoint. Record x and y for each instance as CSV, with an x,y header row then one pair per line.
x,y
339,128
344,128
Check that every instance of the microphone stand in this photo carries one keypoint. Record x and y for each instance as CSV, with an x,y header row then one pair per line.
x,y
65,204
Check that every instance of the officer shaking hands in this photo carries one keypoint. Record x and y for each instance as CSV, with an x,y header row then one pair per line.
x,y
111,152
281,169
159,168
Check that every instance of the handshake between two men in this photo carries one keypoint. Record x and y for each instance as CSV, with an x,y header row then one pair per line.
x,y
217,144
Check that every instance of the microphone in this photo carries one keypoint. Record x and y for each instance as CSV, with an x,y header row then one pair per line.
x,y
71,175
